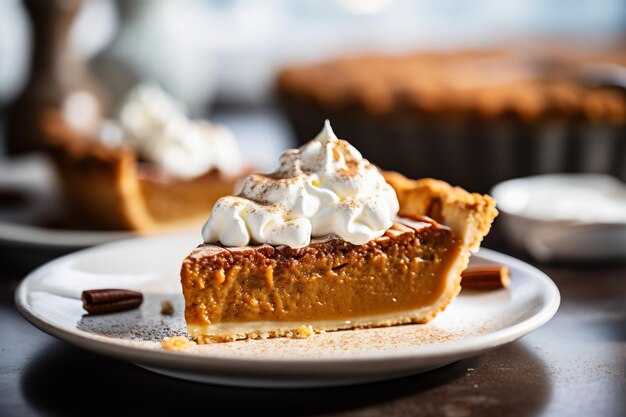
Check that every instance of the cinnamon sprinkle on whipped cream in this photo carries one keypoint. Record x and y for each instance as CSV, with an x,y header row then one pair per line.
x,y
325,187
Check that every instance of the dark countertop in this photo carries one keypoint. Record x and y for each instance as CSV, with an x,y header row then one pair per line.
x,y
575,365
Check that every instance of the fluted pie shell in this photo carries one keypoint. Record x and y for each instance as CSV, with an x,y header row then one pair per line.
x,y
110,188
408,275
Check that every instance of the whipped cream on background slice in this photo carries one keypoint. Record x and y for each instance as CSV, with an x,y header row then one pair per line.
x,y
324,187
157,127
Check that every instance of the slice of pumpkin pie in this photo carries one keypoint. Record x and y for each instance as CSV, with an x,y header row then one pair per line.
x,y
149,169
329,242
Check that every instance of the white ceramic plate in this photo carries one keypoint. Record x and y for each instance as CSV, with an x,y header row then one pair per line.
x,y
21,225
475,322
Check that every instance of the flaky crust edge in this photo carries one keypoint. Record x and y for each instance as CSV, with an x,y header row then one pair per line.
x,y
469,215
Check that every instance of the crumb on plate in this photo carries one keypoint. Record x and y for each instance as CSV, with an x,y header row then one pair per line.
x,y
177,343
303,332
167,309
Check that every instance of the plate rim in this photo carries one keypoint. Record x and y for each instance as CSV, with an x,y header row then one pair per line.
x,y
464,347
47,238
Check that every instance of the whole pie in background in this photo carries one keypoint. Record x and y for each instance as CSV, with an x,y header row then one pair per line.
x,y
473,118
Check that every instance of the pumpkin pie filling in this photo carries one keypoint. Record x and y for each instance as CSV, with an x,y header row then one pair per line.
x,y
330,281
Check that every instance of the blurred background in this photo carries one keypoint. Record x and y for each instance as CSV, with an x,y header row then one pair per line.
x,y
228,51
474,92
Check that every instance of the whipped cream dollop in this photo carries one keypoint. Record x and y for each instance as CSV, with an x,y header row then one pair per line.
x,y
324,187
157,127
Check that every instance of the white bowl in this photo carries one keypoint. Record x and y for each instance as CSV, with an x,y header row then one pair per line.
x,y
565,216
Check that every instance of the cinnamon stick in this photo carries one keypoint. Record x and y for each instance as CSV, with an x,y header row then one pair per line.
x,y
110,300
486,277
